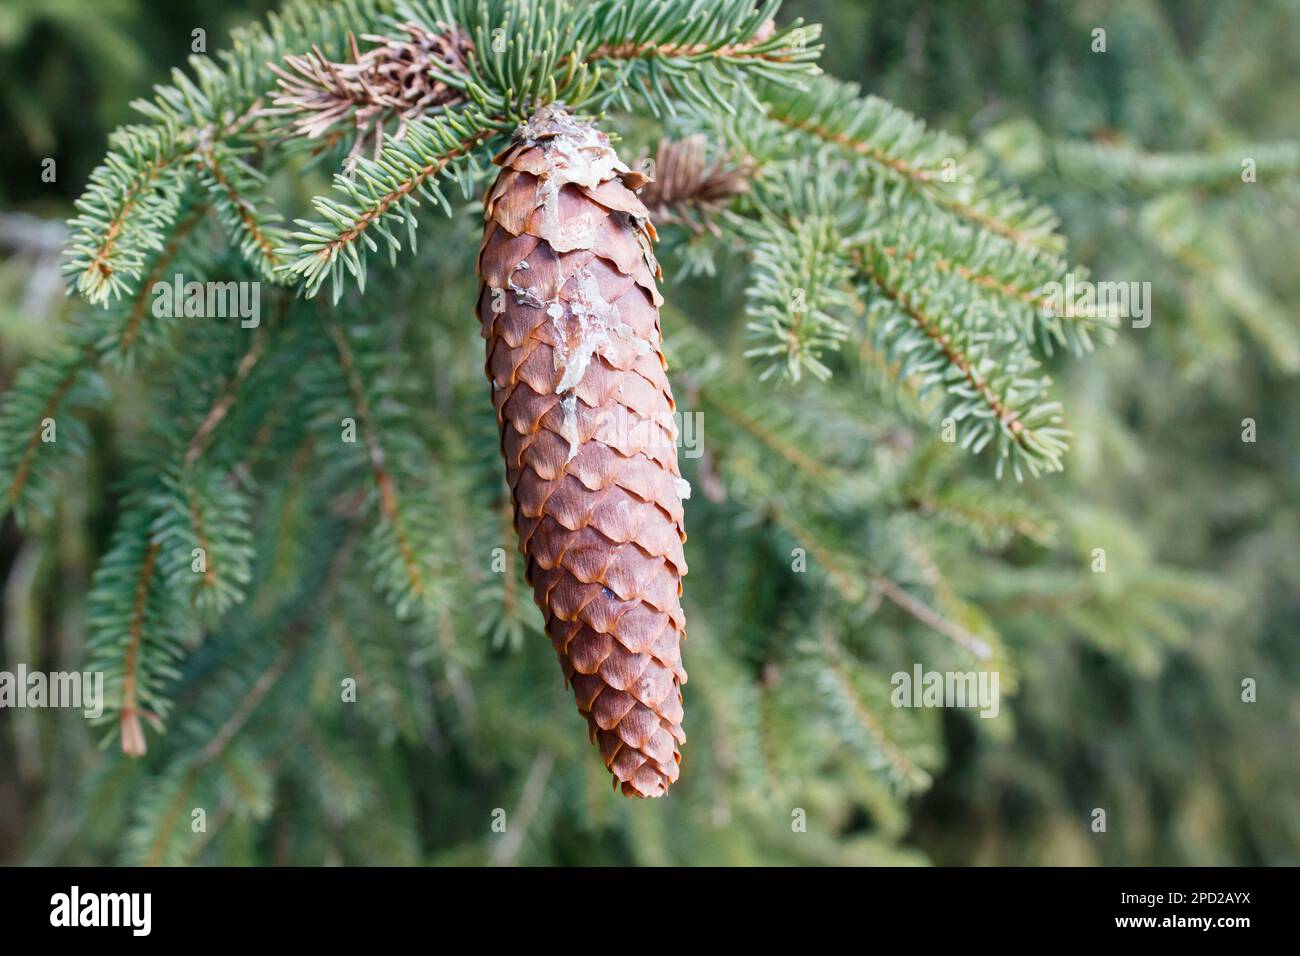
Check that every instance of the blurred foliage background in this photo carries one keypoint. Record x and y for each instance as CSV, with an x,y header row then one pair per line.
x,y
1127,688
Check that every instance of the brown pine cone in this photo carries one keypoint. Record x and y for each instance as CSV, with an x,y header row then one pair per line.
x,y
570,311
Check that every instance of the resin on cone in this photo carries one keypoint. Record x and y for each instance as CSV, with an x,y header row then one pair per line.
x,y
570,312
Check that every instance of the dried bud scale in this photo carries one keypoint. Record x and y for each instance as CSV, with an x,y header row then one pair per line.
x,y
690,190
570,312
389,82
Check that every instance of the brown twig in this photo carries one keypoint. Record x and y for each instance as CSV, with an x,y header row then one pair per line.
x,y
221,408
1006,415
140,302
384,483
246,210
23,470
133,743
646,51
921,177
846,582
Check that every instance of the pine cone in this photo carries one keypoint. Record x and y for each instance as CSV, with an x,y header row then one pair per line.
x,y
570,311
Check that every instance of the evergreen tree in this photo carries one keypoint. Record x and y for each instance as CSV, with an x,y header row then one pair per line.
x,y
314,511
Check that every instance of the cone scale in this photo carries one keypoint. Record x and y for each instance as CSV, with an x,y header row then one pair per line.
x,y
570,312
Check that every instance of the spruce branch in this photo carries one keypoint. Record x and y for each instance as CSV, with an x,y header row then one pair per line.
x,y
132,198
845,694
398,557
1010,280
226,401
521,54
164,815
821,444
243,711
182,552
204,538
703,52
135,626
989,384
527,53
856,586
232,183
1214,259
761,430
812,267
993,518
380,197
918,609
1126,168
800,296
131,327
167,806
240,692
510,58
937,167
35,434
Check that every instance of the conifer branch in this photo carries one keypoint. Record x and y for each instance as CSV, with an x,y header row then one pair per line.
x,y
170,817
257,692
845,698
23,467
385,486
136,625
132,198
132,733
851,587
952,351
993,517
1123,167
592,55
938,167
221,408
379,197
931,618
35,434
1013,282
120,349
774,442
801,295
233,704
989,397
692,48
245,795
232,181
203,528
